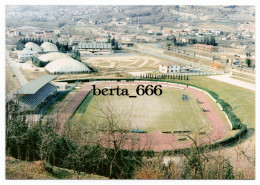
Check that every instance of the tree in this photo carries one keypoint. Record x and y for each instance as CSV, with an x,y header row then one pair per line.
x,y
58,45
248,62
61,24
248,54
113,41
19,46
62,49
76,55
200,165
16,128
112,132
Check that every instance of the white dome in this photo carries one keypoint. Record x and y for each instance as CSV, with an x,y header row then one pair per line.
x,y
49,47
66,65
34,47
53,56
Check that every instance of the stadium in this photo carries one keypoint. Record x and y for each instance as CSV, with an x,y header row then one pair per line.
x,y
158,123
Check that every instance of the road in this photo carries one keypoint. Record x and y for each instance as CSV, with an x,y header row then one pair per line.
x,y
227,78
15,70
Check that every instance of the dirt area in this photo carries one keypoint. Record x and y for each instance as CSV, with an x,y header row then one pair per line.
x,y
28,66
11,82
124,62
31,75
93,75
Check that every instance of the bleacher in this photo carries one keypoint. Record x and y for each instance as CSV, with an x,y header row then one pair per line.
x,y
31,101
35,93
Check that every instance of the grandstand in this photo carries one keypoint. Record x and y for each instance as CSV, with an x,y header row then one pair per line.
x,y
35,94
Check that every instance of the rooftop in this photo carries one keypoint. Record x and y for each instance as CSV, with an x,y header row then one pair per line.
x,y
33,86
31,101
85,45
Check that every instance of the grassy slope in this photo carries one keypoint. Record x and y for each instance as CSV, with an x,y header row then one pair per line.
x,y
241,100
17,169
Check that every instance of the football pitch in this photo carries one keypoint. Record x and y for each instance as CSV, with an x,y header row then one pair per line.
x,y
167,112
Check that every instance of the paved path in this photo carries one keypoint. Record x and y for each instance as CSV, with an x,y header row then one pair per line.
x,y
15,70
227,79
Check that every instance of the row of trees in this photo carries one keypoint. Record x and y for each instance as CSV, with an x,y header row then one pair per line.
x,y
37,41
164,76
209,41
172,41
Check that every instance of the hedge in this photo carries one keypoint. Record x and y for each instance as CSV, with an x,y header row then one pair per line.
x,y
224,142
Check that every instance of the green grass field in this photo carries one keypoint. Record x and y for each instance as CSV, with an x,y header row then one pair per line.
x,y
241,100
165,113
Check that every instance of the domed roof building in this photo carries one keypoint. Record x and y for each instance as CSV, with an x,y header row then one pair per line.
x,y
49,47
66,65
53,56
34,47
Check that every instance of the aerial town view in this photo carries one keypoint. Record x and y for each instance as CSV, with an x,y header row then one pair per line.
x,y
130,92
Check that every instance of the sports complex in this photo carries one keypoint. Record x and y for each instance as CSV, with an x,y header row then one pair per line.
x,y
155,123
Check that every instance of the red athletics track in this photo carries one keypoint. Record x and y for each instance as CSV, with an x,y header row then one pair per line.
x,y
156,140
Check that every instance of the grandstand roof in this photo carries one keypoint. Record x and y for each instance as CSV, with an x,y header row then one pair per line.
x,y
31,101
49,47
34,47
53,56
35,85
66,65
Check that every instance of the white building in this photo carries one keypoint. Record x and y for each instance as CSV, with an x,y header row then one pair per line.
x,y
168,67
61,32
66,66
94,48
62,85
26,54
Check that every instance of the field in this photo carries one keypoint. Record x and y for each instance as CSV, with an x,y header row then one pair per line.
x,y
167,112
241,100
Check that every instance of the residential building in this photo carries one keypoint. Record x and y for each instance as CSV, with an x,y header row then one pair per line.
x,y
205,47
169,68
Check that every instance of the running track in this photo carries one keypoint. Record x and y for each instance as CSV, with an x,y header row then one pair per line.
x,y
156,140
